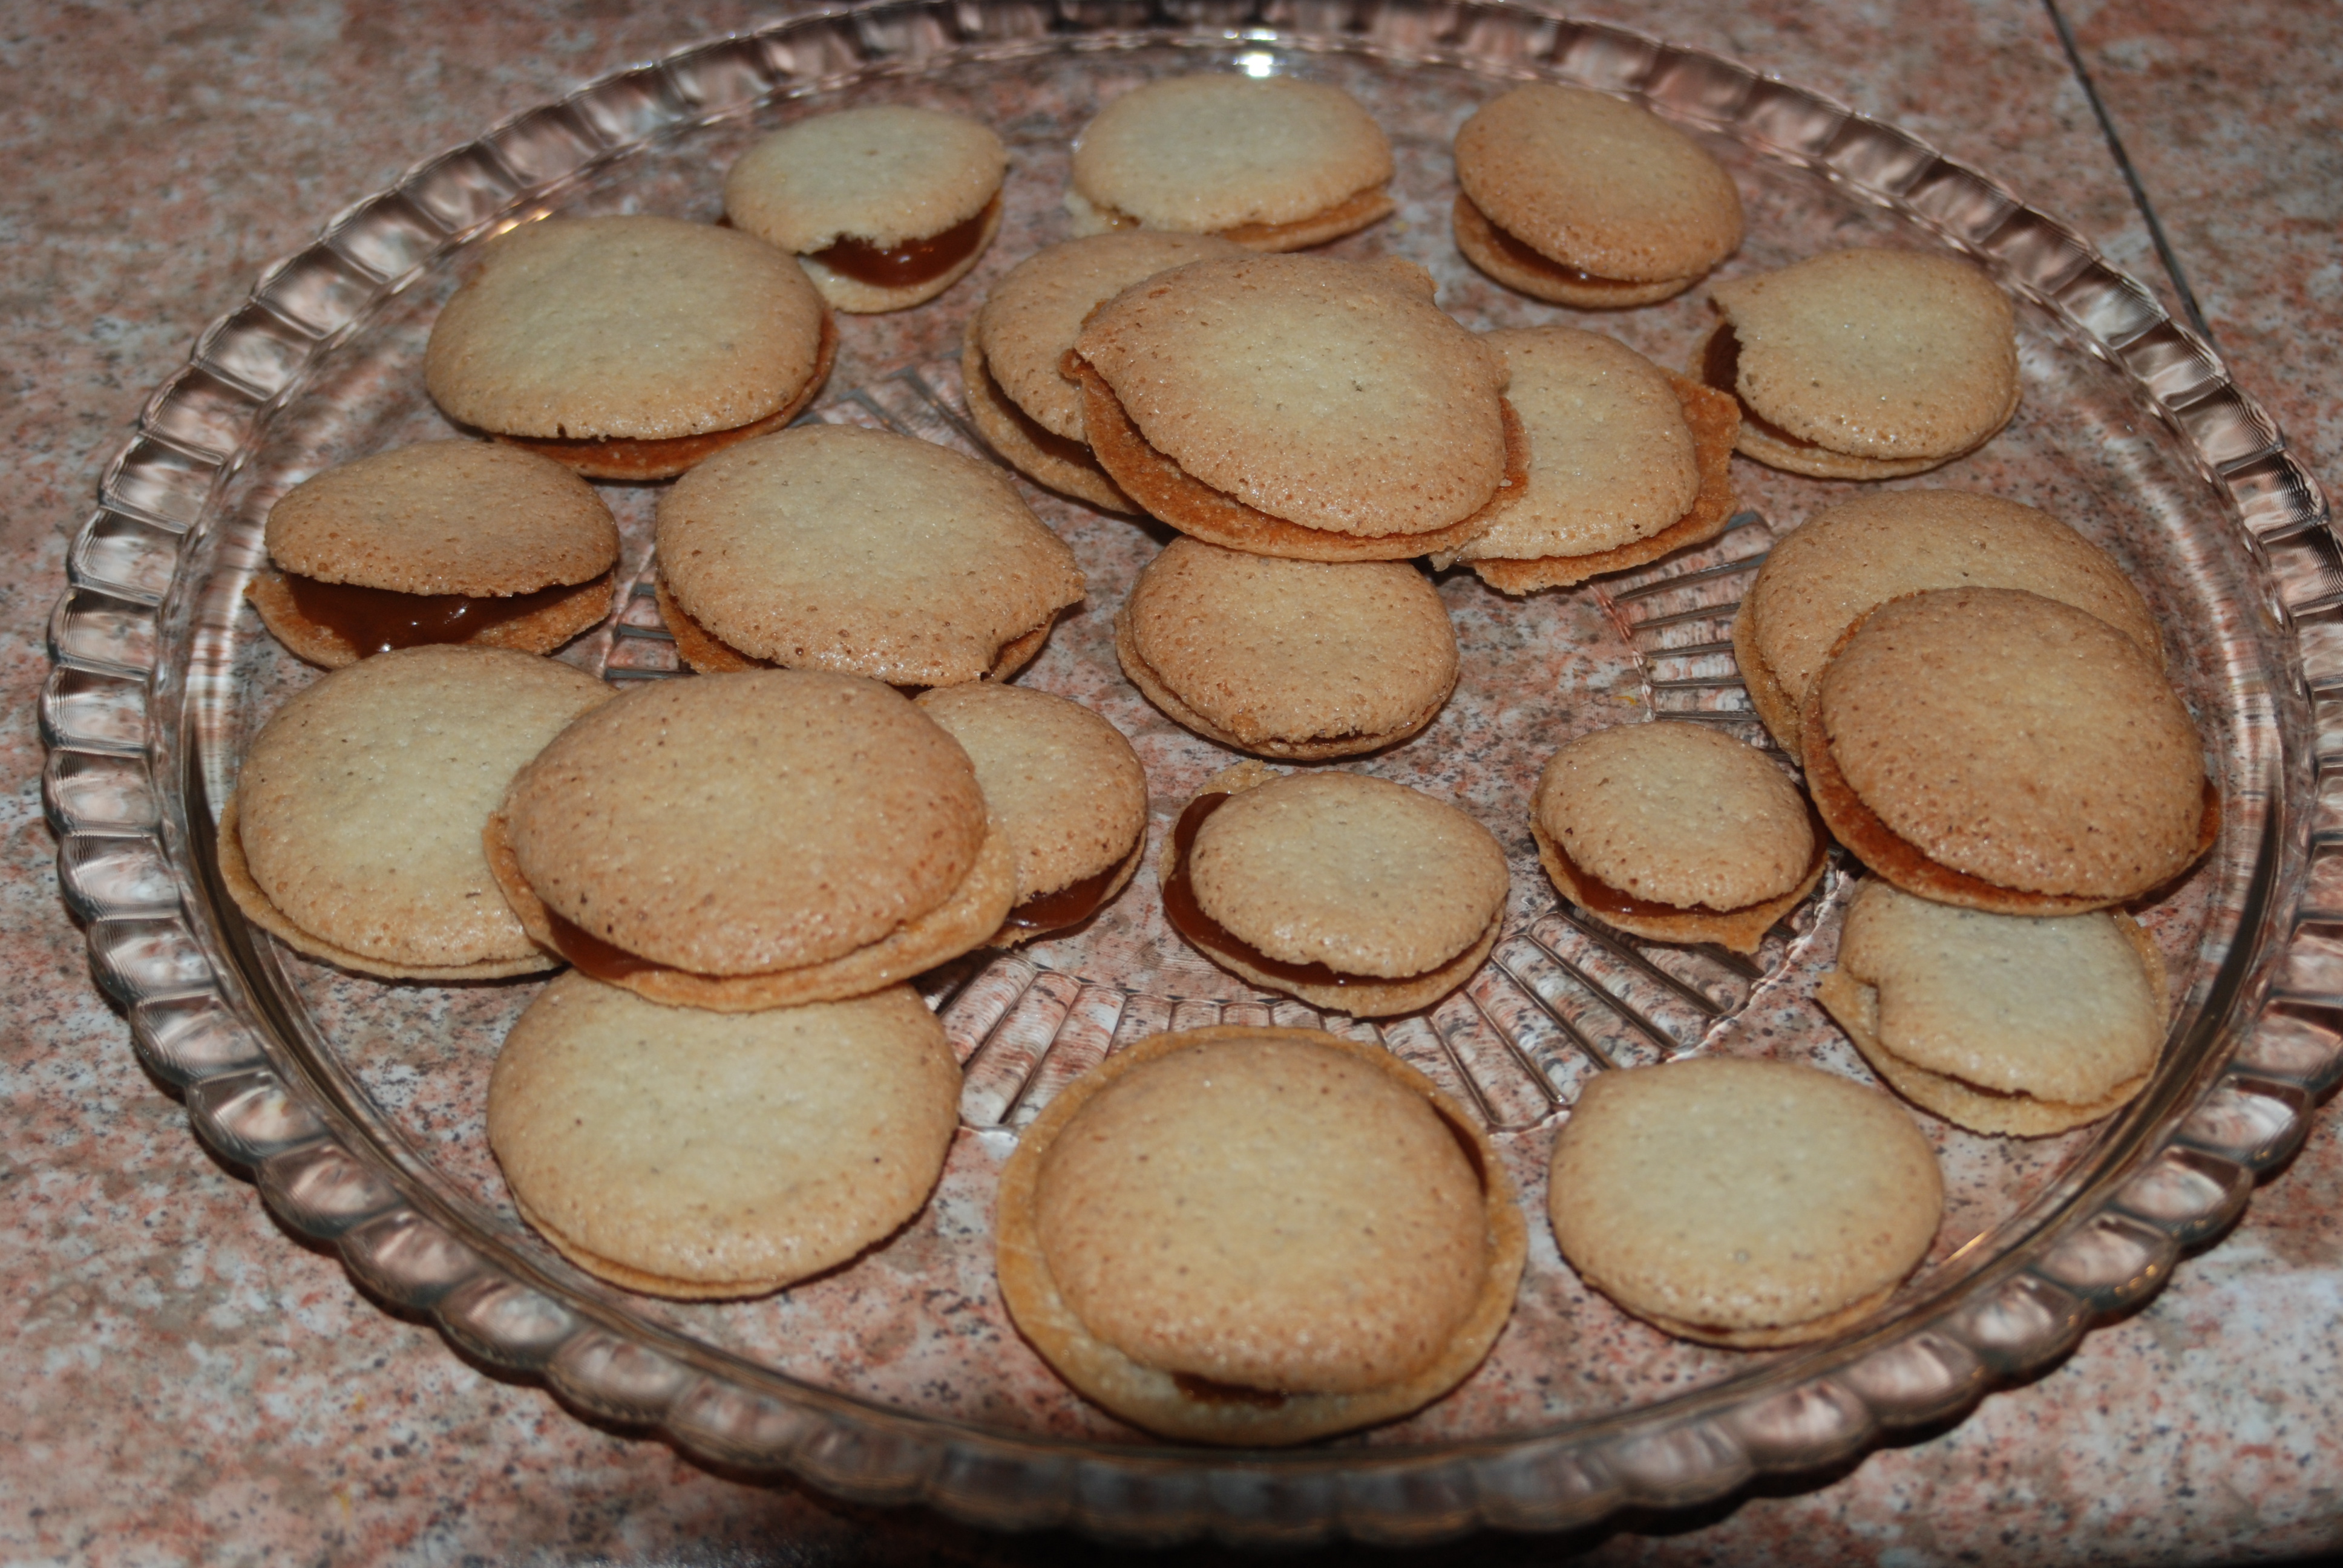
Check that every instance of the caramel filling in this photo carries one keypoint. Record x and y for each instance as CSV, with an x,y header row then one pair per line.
x,y
913,262
591,955
1205,1391
1599,896
377,620
1074,903
1720,367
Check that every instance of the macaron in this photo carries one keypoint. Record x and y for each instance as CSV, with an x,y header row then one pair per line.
x,y
839,548
1847,560
885,206
1013,355
1676,832
1069,791
629,347
1301,406
1742,1203
1865,364
446,542
1357,895
1288,658
1271,163
354,832
2002,751
694,1154
1257,1236
1580,198
2000,1024
1627,462
737,842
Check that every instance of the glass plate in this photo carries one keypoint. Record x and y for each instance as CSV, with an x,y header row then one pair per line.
x,y
899,1378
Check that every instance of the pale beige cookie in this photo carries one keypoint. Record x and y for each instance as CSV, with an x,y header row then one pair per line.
x,y
2000,750
2000,1024
1298,660
833,547
1257,1236
1355,894
1579,198
1273,164
1833,570
448,541
1742,1203
354,833
629,347
1067,466
1298,405
1066,788
1865,364
698,1154
885,206
743,841
1676,832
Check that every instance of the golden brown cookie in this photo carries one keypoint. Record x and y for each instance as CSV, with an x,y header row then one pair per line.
x,y
837,547
1577,197
1257,1236
1298,660
1676,832
629,347
696,1154
885,206
354,832
1865,364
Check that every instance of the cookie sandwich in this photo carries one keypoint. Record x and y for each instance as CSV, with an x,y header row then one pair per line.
x,y
694,1155
629,347
737,842
354,832
1271,163
446,542
1296,659
1257,1236
1579,198
1865,364
1301,406
1357,895
837,547
885,206
1676,832
2001,1023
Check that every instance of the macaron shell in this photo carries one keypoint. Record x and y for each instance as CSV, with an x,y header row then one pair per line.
x,y
1065,466
884,174
1518,267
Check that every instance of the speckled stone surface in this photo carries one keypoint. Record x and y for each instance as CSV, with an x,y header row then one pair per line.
x,y
184,1383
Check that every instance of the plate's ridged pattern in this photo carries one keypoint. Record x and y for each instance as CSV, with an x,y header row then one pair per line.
x,y
117,791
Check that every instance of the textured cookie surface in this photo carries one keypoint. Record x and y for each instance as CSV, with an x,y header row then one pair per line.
x,y
883,174
692,1153
836,548
640,327
1289,658
1742,1201
359,810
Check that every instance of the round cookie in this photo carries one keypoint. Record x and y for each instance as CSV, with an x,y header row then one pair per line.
x,y
1676,832
738,842
446,542
1865,364
694,1154
354,832
2001,1023
629,347
1271,164
1297,660
1069,791
885,206
1964,744
1301,407
1842,563
1577,197
1357,895
1627,462
837,547
1741,1203
1257,1236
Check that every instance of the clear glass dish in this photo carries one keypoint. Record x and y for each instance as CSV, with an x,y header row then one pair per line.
x,y
899,1378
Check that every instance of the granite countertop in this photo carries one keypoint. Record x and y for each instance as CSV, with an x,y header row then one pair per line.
x,y
184,1382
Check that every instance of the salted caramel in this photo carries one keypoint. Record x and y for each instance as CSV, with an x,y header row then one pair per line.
x,y
913,262
1069,905
376,620
591,955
